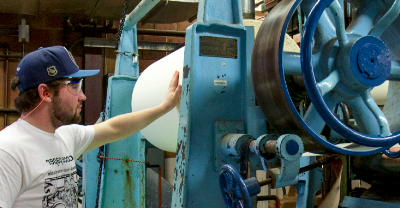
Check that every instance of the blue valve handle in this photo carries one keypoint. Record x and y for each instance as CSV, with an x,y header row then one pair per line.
x,y
392,154
233,188
316,97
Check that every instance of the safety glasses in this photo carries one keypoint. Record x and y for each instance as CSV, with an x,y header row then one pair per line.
x,y
74,86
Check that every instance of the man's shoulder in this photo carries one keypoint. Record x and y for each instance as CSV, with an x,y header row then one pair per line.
x,y
68,129
15,137
10,141
73,131
71,128
10,134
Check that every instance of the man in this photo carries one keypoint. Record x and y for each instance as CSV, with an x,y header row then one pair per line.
x,y
38,151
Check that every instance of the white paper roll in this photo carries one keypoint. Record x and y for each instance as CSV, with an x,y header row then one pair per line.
x,y
392,106
150,90
380,92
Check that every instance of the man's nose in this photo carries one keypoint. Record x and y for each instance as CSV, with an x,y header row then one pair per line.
x,y
82,95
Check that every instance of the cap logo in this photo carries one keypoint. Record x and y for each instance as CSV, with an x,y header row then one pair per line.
x,y
52,71
71,57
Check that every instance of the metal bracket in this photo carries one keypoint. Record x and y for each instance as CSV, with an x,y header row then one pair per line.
x,y
288,149
309,183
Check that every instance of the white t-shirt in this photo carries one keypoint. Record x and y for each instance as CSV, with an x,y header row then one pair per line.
x,y
37,168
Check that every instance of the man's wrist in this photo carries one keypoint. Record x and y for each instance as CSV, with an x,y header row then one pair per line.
x,y
162,109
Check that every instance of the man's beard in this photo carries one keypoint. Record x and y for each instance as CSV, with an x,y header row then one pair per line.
x,y
60,115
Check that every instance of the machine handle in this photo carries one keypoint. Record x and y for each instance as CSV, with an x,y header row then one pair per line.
x,y
236,191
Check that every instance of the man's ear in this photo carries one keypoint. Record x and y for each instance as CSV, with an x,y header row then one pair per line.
x,y
44,93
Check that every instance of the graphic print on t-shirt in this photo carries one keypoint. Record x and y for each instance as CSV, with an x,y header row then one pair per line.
x,y
61,191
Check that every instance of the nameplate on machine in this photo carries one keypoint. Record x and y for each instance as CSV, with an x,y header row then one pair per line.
x,y
218,47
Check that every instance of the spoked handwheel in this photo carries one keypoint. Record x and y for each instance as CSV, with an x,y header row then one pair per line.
x,y
362,63
338,66
233,188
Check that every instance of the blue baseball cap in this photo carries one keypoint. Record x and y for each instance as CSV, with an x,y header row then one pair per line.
x,y
48,64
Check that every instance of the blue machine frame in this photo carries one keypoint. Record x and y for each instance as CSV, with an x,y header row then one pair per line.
x,y
194,167
121,183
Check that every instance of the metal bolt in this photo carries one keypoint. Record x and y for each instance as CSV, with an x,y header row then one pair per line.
x,y
240,127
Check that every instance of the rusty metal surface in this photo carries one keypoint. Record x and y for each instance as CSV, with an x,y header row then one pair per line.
x,y
270,146
202,103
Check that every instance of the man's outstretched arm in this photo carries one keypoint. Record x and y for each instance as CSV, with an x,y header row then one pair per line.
x,y
125,125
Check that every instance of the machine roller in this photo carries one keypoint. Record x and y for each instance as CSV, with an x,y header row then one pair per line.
x,y
326,65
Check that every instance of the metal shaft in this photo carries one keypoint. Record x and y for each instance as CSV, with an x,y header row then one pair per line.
x,y
248,9
304,169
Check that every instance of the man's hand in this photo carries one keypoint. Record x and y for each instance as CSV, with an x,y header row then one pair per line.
x,y
125,125
173,96
393,149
